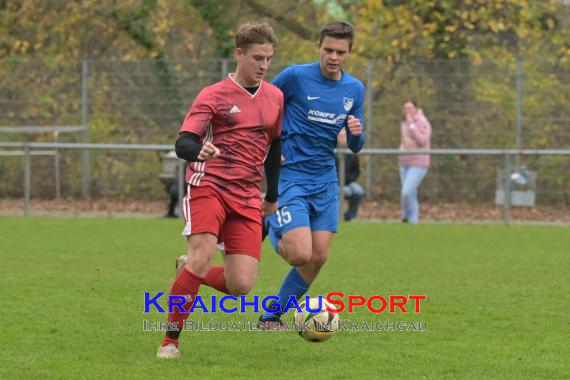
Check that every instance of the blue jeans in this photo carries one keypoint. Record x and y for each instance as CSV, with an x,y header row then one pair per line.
x,y
411,178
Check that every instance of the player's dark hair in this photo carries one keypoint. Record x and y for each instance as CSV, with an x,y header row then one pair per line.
x,y
340,30
255,33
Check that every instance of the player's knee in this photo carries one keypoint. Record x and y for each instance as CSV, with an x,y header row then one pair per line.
x,y
319,259
298,258
297,252
298,261
198,267
240,287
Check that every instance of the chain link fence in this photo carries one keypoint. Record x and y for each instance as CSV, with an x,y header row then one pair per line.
x,y
471,105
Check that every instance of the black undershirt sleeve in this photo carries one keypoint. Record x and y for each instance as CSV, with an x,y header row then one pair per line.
x,y
187,146
272,166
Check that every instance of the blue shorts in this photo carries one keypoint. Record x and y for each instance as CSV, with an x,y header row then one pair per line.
x,y
304,205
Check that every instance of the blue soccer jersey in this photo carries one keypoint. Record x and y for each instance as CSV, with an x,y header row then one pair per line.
x,y
316,108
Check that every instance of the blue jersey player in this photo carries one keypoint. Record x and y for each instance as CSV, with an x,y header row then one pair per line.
x,y
320,100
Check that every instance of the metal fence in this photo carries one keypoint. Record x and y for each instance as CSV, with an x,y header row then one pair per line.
x,y
471,105
513,104
495,159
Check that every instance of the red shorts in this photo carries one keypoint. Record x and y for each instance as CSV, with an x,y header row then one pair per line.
x,y
238,227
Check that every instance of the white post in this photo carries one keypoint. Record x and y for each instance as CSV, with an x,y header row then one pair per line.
x,y
27,179
86,173
56,168
507,200
341,179
368,123
181,182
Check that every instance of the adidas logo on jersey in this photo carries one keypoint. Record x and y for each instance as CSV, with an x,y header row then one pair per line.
x,y
235,109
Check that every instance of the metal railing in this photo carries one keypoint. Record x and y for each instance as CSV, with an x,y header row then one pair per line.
x,y
507,154
27,150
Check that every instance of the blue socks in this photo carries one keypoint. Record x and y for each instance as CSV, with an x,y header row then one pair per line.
x,y
293,285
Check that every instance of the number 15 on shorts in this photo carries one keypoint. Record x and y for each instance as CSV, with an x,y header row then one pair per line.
x,y
283,216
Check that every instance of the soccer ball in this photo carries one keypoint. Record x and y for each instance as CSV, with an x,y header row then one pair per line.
x,y
316,326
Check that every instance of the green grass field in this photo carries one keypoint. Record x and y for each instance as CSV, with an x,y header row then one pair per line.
x,y
498,304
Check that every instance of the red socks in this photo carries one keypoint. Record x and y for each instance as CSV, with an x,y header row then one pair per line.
x,y
215,279
168,340
187,285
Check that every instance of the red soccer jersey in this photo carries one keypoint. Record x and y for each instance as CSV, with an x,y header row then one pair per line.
x,y
242,126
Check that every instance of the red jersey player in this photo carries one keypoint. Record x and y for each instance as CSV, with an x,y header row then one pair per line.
x,y
232,130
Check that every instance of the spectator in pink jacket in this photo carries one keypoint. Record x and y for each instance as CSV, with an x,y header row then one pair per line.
x,y
415,132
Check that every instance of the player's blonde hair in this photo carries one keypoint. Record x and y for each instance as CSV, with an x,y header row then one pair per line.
x,y
255,33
